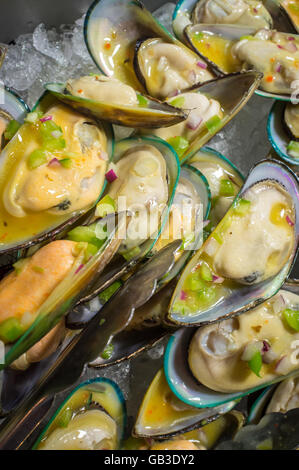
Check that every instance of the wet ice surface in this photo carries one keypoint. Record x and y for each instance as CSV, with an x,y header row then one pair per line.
x,y
164,15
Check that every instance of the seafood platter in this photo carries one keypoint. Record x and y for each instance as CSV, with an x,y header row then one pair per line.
x,y
149,292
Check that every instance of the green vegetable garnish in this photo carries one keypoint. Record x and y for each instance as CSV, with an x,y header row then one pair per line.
x,y
38,269
108,351
66,162
142,100
255,363
128,255
205,272
106,206
226,188
217,237
194,283
11,129
241,206
37,158
292,318
19,266
107,293
293,149
64,418
198,35
180,145
206,295
248,37
85,234
33,117
49,131
10,330
178,102
213,124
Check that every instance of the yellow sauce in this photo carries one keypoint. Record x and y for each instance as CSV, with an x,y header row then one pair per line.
x,y
217,50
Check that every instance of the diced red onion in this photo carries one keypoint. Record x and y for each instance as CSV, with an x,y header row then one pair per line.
x,y
111,176
291,38
279,46
255,10
279,304
291,47
278,68
194,121
266,346
202,65
269,356
251,349
79,268
218,279
289,221
46,118
54,162
183,295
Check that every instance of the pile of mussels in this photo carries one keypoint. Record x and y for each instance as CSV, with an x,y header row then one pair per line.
x,y
118,228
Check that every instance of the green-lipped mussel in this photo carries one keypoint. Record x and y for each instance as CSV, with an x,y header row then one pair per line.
x,y
248,256
93,417
12,113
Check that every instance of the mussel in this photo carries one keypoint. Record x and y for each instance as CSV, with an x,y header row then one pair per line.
x,y
251,13
12,113
240,264
52,172
93,417
292,10
110,99
258,347
126,42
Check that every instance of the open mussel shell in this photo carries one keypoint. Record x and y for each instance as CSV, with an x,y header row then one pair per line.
x,y
44,225
231,33
278,133
98,405
275,431
117,26
232,92
183,383
153,114
162,415
11,107
258,408
244,297
290,7
69,291
184,15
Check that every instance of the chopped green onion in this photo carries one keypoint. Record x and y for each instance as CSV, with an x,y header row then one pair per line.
x,y
106,206
293,149
213,124
107,293
83,234
205,272
226,188
180,145
255,363
292,318
37,158
178,102
108,351
66,162
46,132
194,283
241,207
142,100
11,129
10,330
64,417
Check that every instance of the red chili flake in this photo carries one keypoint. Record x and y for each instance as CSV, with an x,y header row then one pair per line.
x,y
3,236
107,45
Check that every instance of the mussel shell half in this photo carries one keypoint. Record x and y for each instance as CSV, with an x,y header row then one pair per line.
x,y
66,223
232,92
155,114
100,393
130,21
183,16
11,106
245,297
257,410
286,6
277,133
275,431
172,416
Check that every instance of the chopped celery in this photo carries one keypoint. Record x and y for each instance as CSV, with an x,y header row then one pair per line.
x,y
180,145
10,330
255,363
66,162
241,206
90,251
107,293
106,206
213,124
292,318
83,234
194,283
293,149
64,417
178,102
48,131
11,129
226,188
142,100
108,351
37,158
205,272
